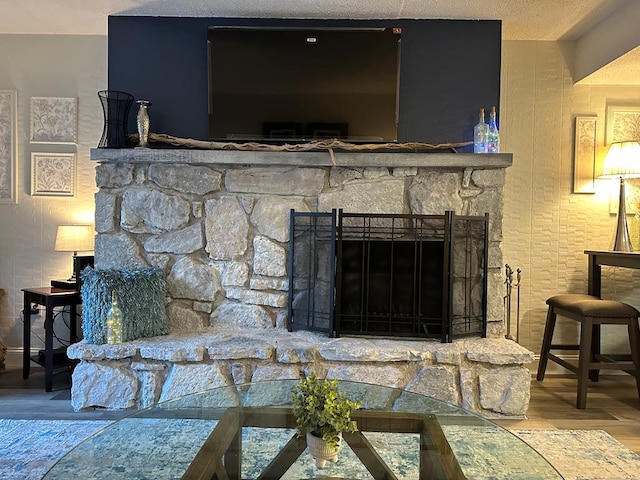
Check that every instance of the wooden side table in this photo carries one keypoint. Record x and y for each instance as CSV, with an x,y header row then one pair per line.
x,y
50,298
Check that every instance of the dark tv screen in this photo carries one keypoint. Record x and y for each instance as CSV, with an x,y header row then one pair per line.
x,y
290,84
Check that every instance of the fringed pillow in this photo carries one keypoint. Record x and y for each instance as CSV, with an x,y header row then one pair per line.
x,y
141,297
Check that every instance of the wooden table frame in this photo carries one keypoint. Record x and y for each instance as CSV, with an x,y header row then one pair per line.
x,y
50,298
598,258
220,457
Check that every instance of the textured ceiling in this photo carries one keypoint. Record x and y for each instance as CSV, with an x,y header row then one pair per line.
x,y
521,19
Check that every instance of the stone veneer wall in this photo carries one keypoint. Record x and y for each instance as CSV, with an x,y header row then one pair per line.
x,y
217,223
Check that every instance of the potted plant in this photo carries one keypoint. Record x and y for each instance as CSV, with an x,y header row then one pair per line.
x,y
322,414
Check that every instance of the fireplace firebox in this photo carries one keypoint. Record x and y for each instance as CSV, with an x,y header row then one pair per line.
x,y
419,276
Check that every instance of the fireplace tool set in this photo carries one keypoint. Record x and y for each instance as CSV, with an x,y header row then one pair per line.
x,y
510,285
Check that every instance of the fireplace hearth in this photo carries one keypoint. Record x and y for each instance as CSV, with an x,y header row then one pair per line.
x,y
419,276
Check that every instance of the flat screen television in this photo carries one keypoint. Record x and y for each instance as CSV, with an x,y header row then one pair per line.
x,y
298,84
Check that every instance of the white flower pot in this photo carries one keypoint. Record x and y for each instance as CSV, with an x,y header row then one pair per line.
x,y
321,451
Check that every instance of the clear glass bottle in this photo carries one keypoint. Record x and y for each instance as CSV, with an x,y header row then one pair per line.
x,y
480,135
493,138
114,321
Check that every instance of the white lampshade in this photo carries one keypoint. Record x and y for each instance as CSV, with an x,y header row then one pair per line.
x,y
74,238
622,160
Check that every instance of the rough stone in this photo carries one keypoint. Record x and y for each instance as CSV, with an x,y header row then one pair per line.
x,y
105,212
226,228
372,173
179,242
240,348
364,350
281,284
489,201
437,381
433,193
241,315
405,171
373,196
160,260
90,351
305,353
103,386
186,379
202,307
185,178
113,175
341,175
271,215
197,208
117,251
235,274
505,391
489,177
258,297
387,375
498,352
151,211
173,349
269,258
469,389
275,372
181,317
276,180
151,382
193,279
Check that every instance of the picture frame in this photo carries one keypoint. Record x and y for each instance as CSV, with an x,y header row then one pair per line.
x,y
8,146
53,174
623,123
54,120
584,154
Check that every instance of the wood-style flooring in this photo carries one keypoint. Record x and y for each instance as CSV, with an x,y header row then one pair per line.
x,y
612,404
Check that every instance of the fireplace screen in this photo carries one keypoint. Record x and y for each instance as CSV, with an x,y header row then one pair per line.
x,y
421,276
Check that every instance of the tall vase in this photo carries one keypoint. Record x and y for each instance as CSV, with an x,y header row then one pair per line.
x,y
143,123
115,107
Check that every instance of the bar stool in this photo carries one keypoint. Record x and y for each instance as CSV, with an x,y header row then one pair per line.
x,y
591,312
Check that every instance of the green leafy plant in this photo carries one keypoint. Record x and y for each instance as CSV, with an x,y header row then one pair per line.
x,y
323,411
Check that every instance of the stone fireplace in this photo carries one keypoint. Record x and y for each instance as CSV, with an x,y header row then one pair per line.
x,y
217,222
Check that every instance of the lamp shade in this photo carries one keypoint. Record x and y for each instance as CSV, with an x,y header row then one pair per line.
x,y
622,160
74,238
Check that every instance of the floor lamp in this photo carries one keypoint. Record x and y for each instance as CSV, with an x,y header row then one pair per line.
x,y
622,161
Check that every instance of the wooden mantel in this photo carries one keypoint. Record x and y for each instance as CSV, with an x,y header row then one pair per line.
x,y
303,159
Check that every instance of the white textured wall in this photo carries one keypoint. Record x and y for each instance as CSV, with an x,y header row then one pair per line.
x,y
46,66
546,227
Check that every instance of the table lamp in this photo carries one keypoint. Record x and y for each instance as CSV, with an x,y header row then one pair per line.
x,y
74,238
622,160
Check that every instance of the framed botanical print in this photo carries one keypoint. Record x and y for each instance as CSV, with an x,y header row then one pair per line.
x,y
8,146
54,120
53,174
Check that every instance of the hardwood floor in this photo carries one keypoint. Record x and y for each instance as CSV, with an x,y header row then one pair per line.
x,y
612,404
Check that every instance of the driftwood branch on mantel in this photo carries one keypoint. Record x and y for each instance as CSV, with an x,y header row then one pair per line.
x,y
328,144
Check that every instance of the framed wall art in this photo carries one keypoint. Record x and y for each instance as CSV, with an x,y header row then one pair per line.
x,y
584,154
54,120
623,123
8,146
53,174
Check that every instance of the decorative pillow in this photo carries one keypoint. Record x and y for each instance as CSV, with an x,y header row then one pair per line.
x,y
141,297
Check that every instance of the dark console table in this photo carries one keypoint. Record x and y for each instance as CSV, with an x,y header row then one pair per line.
x,y
50,298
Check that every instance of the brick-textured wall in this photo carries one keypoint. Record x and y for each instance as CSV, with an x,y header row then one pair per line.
x,y
546,227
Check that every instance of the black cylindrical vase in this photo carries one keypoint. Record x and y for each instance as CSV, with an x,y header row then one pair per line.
x,y
115,106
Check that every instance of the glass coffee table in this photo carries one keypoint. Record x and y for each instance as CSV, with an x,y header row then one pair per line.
x,y
247,432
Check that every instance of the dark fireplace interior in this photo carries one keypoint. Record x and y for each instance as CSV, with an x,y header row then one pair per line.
x,y
421,276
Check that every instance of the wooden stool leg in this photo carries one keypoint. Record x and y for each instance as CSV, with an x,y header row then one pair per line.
x,y
584,357
546,343
634,342
595,350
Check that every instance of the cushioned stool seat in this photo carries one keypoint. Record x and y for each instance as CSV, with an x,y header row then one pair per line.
x,y
591,312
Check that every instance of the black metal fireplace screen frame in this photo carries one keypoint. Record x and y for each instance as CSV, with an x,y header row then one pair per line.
x,y
388,275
